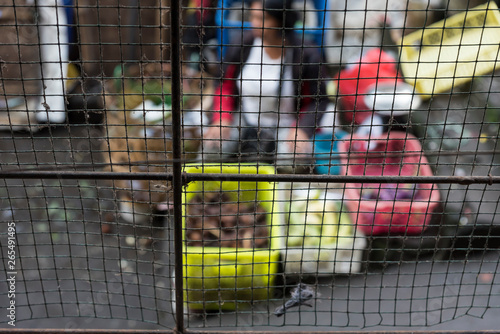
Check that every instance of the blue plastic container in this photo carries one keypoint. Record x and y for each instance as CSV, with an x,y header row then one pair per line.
x,y
326,146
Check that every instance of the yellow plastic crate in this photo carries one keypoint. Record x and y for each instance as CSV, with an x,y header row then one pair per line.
x,y
221,278
452,51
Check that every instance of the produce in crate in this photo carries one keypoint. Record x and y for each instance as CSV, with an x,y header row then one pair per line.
x,y
216,221
228,278
391,192
319,235
382,209
313,221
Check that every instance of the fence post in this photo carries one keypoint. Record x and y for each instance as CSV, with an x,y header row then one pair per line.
x,y
175,62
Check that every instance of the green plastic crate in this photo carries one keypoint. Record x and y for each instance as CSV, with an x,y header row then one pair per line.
x,y
221,278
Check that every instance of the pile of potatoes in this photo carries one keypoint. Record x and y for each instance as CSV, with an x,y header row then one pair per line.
x,y
214,220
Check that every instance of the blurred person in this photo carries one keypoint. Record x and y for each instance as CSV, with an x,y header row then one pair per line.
x,y
273,91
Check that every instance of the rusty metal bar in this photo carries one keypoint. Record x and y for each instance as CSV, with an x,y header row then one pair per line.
x,y
190,177
175,58
342,332
341,178
187,331
84,331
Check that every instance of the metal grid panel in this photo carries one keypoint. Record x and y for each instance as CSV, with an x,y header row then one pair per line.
x,y
356,185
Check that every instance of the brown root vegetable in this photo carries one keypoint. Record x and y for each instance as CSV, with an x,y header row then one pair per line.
x,y
261,219
245,236
194,237
260,236
228,221
246,220
218,221
228,238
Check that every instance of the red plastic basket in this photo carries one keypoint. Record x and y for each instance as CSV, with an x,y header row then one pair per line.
x,y
386,208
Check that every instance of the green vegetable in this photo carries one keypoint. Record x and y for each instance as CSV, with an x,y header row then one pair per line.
x,y
313,222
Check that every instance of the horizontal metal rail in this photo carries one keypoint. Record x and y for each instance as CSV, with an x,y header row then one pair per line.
x,y
190,177
152,331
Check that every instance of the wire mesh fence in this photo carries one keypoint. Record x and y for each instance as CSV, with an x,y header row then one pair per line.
x,y
275,165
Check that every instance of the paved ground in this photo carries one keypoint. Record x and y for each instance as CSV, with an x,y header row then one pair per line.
x,y
82,266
